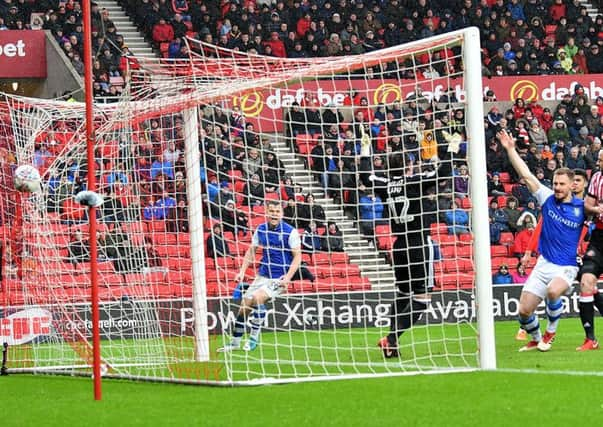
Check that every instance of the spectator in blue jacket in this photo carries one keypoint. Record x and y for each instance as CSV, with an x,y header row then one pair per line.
x,y
160,208
503,276
457,220
161,166
371,212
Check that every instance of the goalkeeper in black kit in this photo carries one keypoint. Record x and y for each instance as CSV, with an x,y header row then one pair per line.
x,y
412,209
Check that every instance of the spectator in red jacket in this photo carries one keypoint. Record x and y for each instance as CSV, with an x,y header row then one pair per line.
x,y
303,25
277,45
163,32
557,10
522,238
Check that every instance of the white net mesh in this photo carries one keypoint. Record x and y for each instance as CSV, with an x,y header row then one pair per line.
x,y
365,154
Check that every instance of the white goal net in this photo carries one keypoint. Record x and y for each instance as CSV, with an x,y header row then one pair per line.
x,y
375,161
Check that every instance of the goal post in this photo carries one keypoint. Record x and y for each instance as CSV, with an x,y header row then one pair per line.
x,y
187,161
479,191
195,218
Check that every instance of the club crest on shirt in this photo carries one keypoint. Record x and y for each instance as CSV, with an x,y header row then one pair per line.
x,y
577,211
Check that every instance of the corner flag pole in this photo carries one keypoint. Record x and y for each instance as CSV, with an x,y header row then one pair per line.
x,y
90,139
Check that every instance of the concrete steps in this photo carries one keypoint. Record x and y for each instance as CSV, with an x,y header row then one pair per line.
x,y
133,38
372,263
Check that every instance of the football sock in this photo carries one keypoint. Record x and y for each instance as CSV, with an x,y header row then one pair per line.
x,y
406,316
239,330
257,320
531,326
399,306
587,314
553,313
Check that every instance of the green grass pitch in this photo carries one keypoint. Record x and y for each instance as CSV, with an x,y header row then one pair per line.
x,y
504,398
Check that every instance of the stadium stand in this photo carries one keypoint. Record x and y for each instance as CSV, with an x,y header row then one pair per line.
x,y
512,36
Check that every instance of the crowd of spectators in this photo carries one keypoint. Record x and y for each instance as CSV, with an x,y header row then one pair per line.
x,y
239,167
63,18
518,37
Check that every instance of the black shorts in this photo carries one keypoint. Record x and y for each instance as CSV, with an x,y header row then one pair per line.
x,y
412,255
592,261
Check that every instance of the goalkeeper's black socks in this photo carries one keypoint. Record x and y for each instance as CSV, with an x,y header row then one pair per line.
x,y
408,312
587,314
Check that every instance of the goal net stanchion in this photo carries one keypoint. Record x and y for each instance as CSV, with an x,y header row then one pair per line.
x,y
166,306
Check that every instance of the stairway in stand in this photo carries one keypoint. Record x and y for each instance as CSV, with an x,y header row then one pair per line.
x,y
133,38
372,263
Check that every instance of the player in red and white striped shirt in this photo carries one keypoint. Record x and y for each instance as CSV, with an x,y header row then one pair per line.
x,y
592,262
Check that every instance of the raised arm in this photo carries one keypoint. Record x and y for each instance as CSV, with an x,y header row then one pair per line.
x,y
519,165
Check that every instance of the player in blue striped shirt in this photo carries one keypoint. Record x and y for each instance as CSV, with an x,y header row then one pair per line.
x,y
562,222
281,258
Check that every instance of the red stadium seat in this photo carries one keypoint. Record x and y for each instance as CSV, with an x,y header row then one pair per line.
x,y
383,230
338,257
176,251
364,284
322,285
226,262
448,252
498,251
173,263
455,281
73,280
352,272
506,238
182,277
157,226
465,238
466,203
259,210
255,221
239,248
301,287
496,262
272,196
133,227
109,279
465,251
438,228
322,258
508,187
164,238
466,265
304,143
445,239
502,201
451,266
144,279
385,243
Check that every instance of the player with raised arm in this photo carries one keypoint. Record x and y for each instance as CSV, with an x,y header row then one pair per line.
x,y
281,258
592,261
556,269
579,191
413,251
